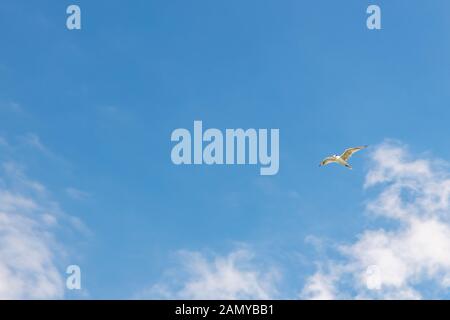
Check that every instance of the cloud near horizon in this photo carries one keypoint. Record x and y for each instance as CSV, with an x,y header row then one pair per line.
x,y
231,277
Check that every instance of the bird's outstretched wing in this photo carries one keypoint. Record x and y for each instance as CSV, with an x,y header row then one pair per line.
x,y
348,153
327,161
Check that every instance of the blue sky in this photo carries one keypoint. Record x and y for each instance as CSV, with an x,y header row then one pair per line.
x,y
91,111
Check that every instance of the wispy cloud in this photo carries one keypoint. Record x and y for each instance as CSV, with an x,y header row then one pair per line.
x,y
33,140
77,194
30,254
414,192
234,276
14,173
320,286
3,142
28,251
11,107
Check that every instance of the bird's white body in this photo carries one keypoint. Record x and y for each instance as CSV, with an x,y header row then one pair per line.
x,y
341,161
343,158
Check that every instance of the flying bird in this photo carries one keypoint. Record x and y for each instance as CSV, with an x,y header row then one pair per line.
x,y
343,158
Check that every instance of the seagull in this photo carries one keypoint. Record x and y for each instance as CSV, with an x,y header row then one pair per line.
x,y
343,158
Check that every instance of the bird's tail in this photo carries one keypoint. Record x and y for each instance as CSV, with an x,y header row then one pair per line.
x,y
348,166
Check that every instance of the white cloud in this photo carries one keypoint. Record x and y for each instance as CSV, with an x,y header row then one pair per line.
x,y
415,195
27,266
235,276
30,256
319,286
